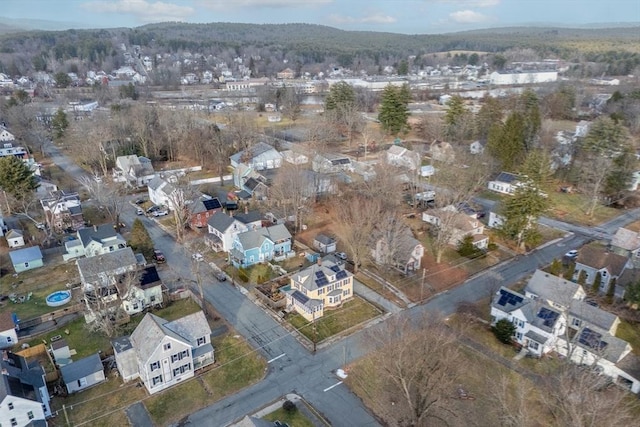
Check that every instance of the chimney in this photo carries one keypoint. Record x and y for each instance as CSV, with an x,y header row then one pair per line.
x,y
246,209
319,261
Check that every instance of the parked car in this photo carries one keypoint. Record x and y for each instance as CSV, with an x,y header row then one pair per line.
x,y
161,212
153,209
341,255
158,256
197,257
221,276
139,201
139,211
572,254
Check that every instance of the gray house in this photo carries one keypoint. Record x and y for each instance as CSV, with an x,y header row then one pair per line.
x,y
324,243
83,373
593,260
26,259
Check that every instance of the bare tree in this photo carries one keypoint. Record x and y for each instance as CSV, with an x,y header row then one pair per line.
x,y
180,201
294,189
413,373
514,401
242,130
108,195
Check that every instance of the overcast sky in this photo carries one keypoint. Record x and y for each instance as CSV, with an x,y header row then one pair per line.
x,y
398,16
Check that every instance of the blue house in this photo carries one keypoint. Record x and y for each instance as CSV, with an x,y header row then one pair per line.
x,y
264,244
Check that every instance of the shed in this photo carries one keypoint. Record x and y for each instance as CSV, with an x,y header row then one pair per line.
x,y
26,259
15,239
324,243
83,374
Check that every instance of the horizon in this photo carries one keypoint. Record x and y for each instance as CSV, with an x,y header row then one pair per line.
x,y
408,17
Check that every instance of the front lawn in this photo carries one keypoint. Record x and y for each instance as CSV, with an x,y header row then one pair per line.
x,y
79,337
630,333
333,322
571,207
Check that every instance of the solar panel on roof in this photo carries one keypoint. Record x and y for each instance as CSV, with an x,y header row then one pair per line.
x,y
341,274
210,204
335,268
322,282
319,274
591,339
548,316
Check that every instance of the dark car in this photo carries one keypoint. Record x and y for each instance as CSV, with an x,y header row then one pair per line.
x,y
158,256
221,277
140,201
153,209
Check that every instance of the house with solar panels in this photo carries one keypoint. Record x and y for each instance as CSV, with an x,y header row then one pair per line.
x,y
203,208
554,316
324,285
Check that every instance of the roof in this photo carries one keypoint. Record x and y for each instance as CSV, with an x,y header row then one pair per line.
x,y
149,277
320,274
248,217
109,263
602,344
13,233
304,300
25,255
626,239
121,344
248,421
506,177
324,239
221,221
536,337
6,321
552,288
97,233
508,301
593,315
20,379
254,151
81,368
599,258
631,365
57,345
252,238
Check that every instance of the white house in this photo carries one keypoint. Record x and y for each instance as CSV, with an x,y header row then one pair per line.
x,y
83,373
505,183
224,227
136,171
427,171
399,250
5,135
552,315
325,244
163,353
260,156
160,191
402,157
460,225
626,242
15,239
94,241
332,163
141,291
101,271
8,335
593,260
24,398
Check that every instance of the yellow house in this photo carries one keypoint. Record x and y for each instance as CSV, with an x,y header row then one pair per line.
x,y
325,284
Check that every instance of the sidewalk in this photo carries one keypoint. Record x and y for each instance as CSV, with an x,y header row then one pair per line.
x,y
375,297
389,286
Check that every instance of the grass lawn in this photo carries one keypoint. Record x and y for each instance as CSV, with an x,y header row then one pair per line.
x,y
237,366
630,333
102,405
80,339
380,289
293,419
352,313
173,311
571,208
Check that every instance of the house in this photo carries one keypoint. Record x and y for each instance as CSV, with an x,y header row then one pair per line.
x,y
24,398
163,353
324,244
332,163
160,191
477,147
100,271
553,316
294,158
582,128
26,259
287,73
504,183
400,250
63,211
264,244
140,291
8,334
201,209
402,157
427,171
20,152
627,243
458,224
442,151
324,285
94,241
224,227
83,373
135,170
593,259
259,157
5,135
15,238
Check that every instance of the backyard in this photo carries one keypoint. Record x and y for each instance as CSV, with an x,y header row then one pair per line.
x,y
351,314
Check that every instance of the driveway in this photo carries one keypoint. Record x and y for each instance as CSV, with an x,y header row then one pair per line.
x,y
138,415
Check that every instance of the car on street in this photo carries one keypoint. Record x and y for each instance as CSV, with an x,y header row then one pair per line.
x,y
197,257
158,256
139,211
571,254
221,276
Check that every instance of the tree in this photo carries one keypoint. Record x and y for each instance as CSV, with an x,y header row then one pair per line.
x,y
290,102
180,200
17,182
531,119
490,113
597,282
570,270
611,290
59,123
499,61
62,79
413,371
506,142
632,293
504,331
457,120
620,176
108,195
129,91
556,267
403,68
521,213
467,249
340,95
582,278
140,240
394,112
293,191
537,169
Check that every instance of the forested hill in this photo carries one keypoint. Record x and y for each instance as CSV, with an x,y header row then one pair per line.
x,y
307,43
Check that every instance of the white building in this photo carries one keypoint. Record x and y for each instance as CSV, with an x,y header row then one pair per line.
x,y
522,77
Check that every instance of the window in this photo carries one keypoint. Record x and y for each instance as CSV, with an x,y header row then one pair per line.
x,y
345,292
26,264
82,382
153,298
519,336
135,306
14,422
157,380
167,346
576,322
320,291
330,300
8,339
10,405
534,345
154,366
30,415
201,341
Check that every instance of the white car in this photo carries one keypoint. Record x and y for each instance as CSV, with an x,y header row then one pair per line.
x,y
197,257
160,213
341,255
572,254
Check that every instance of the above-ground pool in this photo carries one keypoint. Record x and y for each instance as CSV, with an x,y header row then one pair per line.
x,y
58,298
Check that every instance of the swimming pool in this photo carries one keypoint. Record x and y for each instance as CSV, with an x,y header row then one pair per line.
x,y
58,298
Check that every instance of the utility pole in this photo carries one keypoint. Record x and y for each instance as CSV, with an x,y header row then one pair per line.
x,y
424,273
315,332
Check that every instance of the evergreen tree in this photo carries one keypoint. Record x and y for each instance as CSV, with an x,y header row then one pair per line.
x,y
632,293
62,79
341,96
16,179
556,267
506,143
531,118
490,113
393,114
537,169
59,123
504,330
140,240
571,269
582,278
611,290
456,119
403,68
521,213
620,175
597,281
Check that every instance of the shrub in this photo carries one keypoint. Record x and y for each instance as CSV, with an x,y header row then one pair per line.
x,y
289,407
504,330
